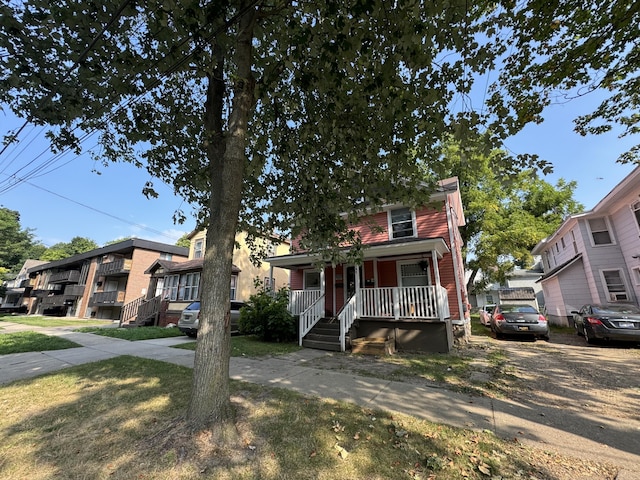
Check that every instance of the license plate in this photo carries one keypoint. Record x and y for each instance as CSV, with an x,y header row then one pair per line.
x,y
523,328
625,324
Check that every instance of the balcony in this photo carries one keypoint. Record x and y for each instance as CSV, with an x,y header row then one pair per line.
x,y
117,267
57,301
68,276
27,282
115,298
74,290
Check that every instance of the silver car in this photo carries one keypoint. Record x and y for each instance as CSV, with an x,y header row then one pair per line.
x,y
190,318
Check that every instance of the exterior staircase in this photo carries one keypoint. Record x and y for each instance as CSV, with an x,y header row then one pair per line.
x,y
325,335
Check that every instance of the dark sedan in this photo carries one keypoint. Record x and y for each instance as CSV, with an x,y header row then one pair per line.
x,y
510,319
608,322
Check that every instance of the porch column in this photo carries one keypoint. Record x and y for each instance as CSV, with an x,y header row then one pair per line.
x,y
436,273
356,272
322,285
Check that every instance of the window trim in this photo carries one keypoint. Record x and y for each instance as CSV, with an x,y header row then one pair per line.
x,y
635,211
304,279
198,248
414,261
191,288
171,287
234,287
609,231
390,223
608,292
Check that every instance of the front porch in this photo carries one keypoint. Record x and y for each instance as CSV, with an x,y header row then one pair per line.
x,y
397,295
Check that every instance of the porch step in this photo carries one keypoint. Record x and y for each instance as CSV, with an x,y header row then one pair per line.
x,y
325,335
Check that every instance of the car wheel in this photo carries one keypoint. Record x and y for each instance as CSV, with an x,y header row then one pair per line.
x,y
589,338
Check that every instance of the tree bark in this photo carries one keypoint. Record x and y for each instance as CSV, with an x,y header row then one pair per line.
x,y
210,407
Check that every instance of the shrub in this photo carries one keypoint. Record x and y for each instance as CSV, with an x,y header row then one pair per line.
x,y
266,316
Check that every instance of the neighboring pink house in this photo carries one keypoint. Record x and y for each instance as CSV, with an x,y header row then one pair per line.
x,y
410,287
594,256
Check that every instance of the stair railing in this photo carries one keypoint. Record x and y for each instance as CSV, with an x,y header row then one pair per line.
x,y
310,317
130,311
346,317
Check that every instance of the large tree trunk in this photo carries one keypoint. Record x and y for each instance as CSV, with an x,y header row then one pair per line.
x,y
210,407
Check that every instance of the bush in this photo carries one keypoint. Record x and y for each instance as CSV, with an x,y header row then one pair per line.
x,y
266,316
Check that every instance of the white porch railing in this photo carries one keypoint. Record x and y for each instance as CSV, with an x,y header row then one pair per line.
x,y
311,316
299,300
346,317
404,302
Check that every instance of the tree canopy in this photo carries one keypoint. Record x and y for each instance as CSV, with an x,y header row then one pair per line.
x,y
280,116
507,211
62,250
17,244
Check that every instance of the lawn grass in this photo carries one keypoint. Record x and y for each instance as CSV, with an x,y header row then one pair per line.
x,y
133,334
250,346
107,420
20,342
40,321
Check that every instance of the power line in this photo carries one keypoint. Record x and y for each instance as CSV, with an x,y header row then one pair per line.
x,y
115,217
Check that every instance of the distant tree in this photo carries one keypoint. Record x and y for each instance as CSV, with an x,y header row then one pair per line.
x,y
62,250
183,241
507,210
16,244
117,240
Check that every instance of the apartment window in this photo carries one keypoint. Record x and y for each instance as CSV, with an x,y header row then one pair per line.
x,y
600,231
191,286
616,290
311,280
636,212
234,286
171,283
198,248
401,223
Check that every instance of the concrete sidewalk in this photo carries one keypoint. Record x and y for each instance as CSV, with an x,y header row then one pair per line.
x,y
550,428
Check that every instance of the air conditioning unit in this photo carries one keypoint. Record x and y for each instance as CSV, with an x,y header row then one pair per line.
x,y
618,297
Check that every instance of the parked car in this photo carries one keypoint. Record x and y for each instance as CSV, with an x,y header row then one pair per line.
x,y
508,319
485,314
608,322
190,318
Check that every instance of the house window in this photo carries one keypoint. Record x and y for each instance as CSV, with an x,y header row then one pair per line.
x,y
575,245
311,280
171,283
269,283
636,212
636,275
191,286
600,231
198,248
159,287
489,299
616,290
414,274
166,256
234,287
563,244
401,223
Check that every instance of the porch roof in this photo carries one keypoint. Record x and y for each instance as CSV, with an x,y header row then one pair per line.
x,y
381,250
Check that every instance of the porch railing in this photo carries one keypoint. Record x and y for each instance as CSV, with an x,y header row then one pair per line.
x,y
310,316
300,300
404,302
346,317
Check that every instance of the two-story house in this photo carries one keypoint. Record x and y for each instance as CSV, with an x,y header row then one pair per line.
x,y
409,288
105,283
174,285
594,257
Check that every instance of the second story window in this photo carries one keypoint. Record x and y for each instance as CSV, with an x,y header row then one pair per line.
x,y
198,248
401,223
600,231
636,212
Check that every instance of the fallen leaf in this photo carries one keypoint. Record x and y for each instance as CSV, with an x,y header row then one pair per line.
x,y
356,436
484,469
312,454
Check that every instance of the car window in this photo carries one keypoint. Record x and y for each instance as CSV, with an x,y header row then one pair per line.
x,y
517,309
193,306
616,310
237,305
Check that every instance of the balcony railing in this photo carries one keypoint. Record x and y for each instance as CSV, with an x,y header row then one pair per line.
x,y
107,298
117,267
27,282
74,290
68,276
57,301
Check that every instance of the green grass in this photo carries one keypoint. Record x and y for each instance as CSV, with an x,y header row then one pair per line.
x,y
120,419
133,334
21,342
250,346
559,329
40,321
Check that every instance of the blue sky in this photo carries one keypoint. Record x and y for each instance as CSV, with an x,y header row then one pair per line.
x,y
110,205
